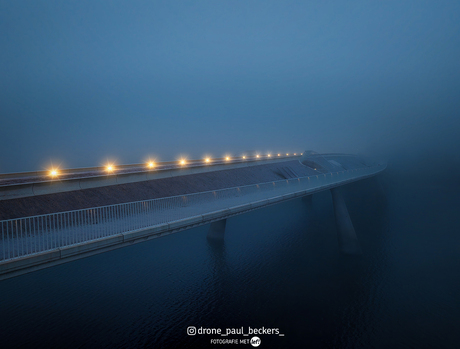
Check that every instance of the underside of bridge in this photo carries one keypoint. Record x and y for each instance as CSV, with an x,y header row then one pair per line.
x,y
346,235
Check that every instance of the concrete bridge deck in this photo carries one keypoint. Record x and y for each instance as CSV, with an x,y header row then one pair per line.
x,y
35,242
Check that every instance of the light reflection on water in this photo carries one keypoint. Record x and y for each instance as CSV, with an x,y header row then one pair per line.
x,y
278,267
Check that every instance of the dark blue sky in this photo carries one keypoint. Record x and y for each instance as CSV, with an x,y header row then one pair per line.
x,y
83,81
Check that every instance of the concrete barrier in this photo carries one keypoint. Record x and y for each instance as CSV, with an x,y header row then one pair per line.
x,y
29,261
16,191
57,187
131,177
142,233
185,222
151,175
207,217
259,203
91,245
95,182
238,209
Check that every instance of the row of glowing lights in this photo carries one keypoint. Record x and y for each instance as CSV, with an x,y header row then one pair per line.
x,y
109,168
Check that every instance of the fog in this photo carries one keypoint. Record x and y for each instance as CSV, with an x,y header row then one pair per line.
x,y
83,82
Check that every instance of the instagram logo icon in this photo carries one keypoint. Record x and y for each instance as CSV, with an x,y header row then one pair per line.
x,y
191,330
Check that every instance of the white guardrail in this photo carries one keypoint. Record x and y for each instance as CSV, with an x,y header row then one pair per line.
x,y
31,235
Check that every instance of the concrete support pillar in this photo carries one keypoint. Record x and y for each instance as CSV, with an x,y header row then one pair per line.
x,y
217,230
348,242
307,200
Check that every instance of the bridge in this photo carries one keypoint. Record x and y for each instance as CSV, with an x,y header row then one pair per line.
x,y
221,188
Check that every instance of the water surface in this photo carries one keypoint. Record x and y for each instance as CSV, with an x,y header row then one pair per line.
x,y
279,267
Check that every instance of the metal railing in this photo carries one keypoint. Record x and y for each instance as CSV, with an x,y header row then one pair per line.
x,y
30,235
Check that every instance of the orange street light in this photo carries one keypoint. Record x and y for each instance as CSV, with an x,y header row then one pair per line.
x,y
54,172
109,168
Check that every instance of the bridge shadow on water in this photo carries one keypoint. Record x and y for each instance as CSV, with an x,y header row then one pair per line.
x,y
278,267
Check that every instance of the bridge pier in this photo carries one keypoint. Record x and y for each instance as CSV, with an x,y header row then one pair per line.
x,y
308,200
348,242
217,230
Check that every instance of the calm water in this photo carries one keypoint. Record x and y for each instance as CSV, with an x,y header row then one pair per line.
x,y
279,268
